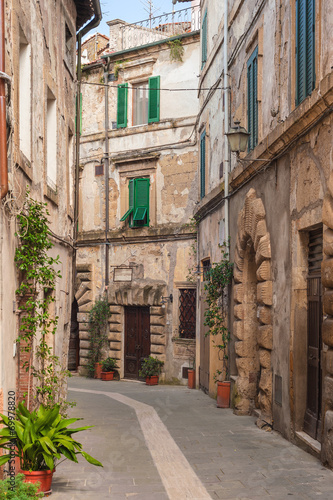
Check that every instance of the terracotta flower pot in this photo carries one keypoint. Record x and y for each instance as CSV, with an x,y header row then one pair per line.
x,y
98,370
44,477
153,380
191,379
223,395
107,375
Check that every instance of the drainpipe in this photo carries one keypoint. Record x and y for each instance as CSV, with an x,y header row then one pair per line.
x,y
3,125
226,124
106,167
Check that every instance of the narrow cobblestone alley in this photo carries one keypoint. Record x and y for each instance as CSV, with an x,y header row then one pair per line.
x,y
169,442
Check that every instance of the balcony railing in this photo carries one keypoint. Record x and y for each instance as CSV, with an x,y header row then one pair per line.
x,y
160,27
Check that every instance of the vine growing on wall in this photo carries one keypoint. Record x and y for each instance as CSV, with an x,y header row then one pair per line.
x,y
176,50
217,280
36,294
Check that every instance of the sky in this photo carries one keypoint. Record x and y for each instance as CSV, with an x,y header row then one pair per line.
x,y
133,11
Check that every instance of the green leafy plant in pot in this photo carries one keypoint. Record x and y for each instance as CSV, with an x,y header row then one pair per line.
x,y
17,489
109,365
151,369
41,438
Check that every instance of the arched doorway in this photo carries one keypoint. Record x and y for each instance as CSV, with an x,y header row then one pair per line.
x,y
252,311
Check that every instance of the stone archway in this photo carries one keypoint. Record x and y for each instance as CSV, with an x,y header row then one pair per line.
x,y
252,310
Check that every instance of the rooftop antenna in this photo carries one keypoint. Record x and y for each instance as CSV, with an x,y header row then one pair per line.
x,y
150,8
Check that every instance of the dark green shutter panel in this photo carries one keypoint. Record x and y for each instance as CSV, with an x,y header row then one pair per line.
x,y
80,122
204,41
252,99
122,105
130,200
154,99
203,165
141,202
305,49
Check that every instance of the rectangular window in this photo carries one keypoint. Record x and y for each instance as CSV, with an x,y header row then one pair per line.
x,y
204,41
154,99
203,165
71,169
252,99
305,49
206,266
187,313
69,48
138,204
122,105
140,103
51,141
24,97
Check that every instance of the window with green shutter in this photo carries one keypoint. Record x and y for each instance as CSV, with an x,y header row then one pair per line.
x,y
122,105
154,99
305,49
252,99
138,211
80,122
202,165
204,41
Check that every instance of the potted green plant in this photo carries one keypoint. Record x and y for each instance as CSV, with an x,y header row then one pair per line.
x,y
17,489
41,438
109,365
151,369
97,328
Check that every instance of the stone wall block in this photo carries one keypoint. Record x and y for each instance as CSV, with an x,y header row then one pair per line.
x,y
241,230
245,349
254,213
264,249
85,298
238,275
116,318
84,344
161,357
114,327
84,326
265,293
157,349
239,329
84,361
156,329
327,273
83,317
114,309
328,210
330,184
261,230
157,320
264,271
265,315
86,307
265,404
83,288
158,339
328,302
245,388
265,382
83,353
327,332
265,358
239,311
328,392
329,361
115,336
114,354
238,293
157,311
239,260
265,337
246,366
328,242
84,335
115,345
327,440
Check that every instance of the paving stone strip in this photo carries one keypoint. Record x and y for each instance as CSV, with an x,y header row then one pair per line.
x,y
178,477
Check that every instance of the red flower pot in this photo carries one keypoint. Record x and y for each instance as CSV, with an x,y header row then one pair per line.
x,y
107,375
223,394
44,477
153,380
98,370
191,379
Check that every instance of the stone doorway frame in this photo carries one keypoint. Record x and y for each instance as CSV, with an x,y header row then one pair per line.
x,y
252,230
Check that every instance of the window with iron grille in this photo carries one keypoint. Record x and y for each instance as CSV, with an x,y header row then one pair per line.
x,y
187,313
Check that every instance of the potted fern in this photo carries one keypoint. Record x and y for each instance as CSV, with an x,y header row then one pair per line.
x,y
41,437
151,369
109,365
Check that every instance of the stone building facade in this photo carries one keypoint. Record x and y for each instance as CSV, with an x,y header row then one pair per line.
x,y
280,200
39,104
138,181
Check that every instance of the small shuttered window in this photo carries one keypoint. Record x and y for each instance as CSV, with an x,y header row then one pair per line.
x,y
154,99
122,105
252,99
204,41
138,205
202,164
305,49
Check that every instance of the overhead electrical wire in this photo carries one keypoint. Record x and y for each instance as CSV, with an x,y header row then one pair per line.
x,y
161,89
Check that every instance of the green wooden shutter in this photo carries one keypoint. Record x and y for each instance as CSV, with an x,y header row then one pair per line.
x,y
154,99
141,202
122,105
204,41
252,99
305,48
130,200
203,165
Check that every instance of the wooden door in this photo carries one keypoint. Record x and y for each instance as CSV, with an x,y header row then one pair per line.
x,y
74,340
137,339
312,419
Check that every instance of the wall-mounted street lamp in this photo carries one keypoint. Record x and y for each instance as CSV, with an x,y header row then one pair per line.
x,y
165,300
237,137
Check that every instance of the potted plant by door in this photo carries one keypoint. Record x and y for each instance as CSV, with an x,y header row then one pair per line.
x,y
109,365
41,438
151,369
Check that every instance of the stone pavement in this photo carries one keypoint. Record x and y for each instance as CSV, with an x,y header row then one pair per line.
x,y
169,442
